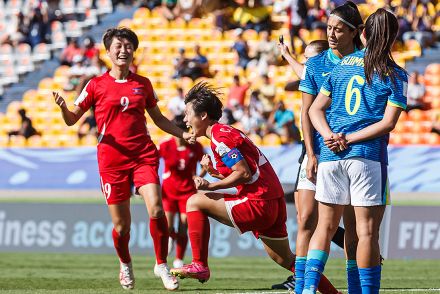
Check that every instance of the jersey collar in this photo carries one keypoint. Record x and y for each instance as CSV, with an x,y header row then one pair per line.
x,y
334,58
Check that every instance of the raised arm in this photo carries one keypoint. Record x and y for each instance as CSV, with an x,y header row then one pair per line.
x,y
70,117
294,64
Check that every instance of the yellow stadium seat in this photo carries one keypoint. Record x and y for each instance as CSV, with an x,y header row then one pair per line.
x,y
271,140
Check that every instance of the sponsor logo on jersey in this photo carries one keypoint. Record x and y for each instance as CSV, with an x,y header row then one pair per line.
x,y
324,74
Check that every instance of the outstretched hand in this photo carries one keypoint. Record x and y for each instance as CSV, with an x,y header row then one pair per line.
x,y
58,99
284,49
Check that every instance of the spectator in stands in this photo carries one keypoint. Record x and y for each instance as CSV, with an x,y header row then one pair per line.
x,y
176,106
421,28
188,9
266,53
88,126
168,9
150,4
70,51
415,94
297,11
251,122
26,129
242,49
193,68
255,17
267,95
89,48
237,92
76,71
282,122
201,61
38,27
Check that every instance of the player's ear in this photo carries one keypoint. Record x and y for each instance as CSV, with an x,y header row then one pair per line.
x,y
204,115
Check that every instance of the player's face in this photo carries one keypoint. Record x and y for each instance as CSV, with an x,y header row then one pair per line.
x,y
339,35
194,121
121,52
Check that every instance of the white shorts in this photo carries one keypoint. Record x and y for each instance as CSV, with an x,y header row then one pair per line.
x,y
303,182
356,181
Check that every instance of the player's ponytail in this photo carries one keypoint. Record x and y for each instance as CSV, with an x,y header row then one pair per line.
x,y
349,14
380,31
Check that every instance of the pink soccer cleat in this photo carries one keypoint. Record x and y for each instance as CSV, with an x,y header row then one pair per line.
x,y
192,271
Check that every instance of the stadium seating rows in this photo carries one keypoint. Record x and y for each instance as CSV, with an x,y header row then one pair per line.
x,y
159,43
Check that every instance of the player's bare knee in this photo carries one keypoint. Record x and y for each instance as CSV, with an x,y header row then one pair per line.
x,y
193,202
157,212
307,221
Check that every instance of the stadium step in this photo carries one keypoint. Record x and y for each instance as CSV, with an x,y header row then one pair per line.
x,y
430,55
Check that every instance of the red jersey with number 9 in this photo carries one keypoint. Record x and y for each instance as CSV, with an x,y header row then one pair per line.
x,y
120,107
264,184
180,167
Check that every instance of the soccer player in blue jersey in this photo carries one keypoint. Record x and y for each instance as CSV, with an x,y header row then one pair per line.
x,y
343,35
366,93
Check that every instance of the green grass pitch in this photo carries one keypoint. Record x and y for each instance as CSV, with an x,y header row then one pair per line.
x,y
87,273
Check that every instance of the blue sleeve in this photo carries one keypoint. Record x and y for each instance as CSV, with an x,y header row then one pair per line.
x,y
399,91
327,86
307,83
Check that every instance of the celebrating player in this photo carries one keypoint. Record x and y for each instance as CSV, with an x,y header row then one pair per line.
x,y
126,154
366,93
180,160
259,204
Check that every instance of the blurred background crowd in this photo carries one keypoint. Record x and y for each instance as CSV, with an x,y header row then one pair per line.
x,y
231,44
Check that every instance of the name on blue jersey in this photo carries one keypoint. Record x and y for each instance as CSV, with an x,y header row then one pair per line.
x,y
352,60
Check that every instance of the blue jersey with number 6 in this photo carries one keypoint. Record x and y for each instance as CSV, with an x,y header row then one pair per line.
x,y
356,105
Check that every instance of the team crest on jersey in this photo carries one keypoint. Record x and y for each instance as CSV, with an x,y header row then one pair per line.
x,y
138,91
222,149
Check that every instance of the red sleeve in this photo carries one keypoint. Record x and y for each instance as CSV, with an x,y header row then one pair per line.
x,y
150,95
87,98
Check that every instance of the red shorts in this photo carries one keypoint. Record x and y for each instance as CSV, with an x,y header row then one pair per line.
x,y
264,218
116,185
175,205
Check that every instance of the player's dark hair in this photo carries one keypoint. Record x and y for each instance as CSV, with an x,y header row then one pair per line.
x,y
350,13
380,31
204,98
319,45
178,121
120,33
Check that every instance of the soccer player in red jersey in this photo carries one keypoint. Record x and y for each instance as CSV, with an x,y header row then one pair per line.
x,y
126,153
180,159
258,206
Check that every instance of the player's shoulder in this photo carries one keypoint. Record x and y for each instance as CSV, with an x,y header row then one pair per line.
x,y
141,79
224,131
317,59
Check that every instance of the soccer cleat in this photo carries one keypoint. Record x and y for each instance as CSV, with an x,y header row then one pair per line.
x,y
177,263
192,271
169,281
126,276
288,284
170,245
